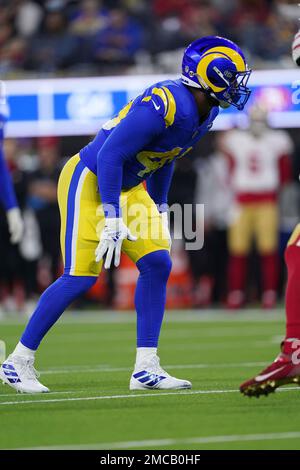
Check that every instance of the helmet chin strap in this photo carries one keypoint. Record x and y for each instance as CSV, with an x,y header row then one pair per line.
x,y
189,82
221,103
224,104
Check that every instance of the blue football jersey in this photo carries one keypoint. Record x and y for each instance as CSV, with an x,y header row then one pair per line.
x,y
7,193
174,109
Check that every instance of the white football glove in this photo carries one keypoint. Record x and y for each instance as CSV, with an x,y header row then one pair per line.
x,y
15,224
165,223
111,239
296,49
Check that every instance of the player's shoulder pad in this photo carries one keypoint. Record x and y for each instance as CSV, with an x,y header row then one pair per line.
x,y
163,102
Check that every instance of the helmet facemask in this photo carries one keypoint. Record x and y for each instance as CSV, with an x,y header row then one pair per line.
x,y
218,67
237,93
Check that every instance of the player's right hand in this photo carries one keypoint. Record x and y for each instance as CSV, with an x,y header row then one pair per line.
x,y
296,49
111,239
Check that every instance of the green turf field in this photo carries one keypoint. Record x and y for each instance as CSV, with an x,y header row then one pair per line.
x,y
86,361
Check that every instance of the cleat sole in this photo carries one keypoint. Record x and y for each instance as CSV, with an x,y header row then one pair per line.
x,y
268,387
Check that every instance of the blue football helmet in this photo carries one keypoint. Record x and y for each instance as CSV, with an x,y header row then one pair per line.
x,y
218,66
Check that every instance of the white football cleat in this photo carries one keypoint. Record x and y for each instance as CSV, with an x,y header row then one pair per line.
x,y
151,376
18,372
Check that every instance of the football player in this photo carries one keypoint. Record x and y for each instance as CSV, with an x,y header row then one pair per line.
x,y
101,187
259,159
7,193
286,367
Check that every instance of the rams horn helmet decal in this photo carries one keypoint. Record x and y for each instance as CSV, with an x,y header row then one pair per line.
x,y
218,66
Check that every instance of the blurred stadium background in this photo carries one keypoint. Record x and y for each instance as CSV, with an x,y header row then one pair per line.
x,y
69,65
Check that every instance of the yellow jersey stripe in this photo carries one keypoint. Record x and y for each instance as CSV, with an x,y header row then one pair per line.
x,y
115,121
171,110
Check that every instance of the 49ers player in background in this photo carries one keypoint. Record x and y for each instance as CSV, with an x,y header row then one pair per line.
x,y
260,164
286,367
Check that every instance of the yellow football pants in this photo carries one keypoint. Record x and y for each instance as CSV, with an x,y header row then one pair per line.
x,y
254,222
82,220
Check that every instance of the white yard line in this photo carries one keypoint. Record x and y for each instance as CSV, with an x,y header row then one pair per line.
x,y
134,395
184,441
67,392
101,368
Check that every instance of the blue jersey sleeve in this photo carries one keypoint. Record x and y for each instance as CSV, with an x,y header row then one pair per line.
x,y
7,192
158,185
140,126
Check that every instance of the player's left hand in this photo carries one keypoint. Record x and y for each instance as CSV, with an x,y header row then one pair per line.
x,y
15,224
112,236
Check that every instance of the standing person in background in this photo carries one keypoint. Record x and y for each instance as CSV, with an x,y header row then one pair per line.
x,y
260,164
43,199
214,191
12,266
11,224
7,194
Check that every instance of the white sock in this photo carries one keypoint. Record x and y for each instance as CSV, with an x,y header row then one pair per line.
x,y
23,351
143,355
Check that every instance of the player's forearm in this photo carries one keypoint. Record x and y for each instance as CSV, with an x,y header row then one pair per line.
x,y
7,193
158,186
130,136
110,176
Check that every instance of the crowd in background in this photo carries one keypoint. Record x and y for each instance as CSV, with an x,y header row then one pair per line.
x,y
33,264
203,177
98,37
120,36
